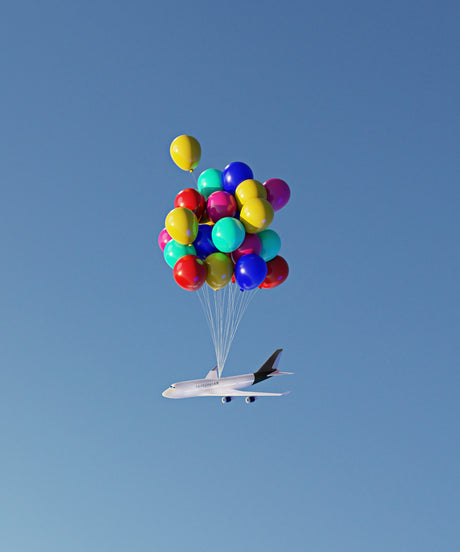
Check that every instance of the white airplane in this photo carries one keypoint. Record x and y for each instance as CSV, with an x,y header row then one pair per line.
x,y
227,388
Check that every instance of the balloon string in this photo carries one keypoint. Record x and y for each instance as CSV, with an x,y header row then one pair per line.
x,y
194,178
224,310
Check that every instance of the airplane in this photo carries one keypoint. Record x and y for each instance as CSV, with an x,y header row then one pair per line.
x,y
228,388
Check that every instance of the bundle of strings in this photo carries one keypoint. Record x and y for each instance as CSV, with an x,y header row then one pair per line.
x,y
224,309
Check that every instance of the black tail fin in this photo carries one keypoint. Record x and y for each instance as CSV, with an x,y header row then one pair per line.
x,y
268,368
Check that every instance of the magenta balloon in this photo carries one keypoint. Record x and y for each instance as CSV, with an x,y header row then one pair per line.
x,y
278,193
251,244
163,239
220,205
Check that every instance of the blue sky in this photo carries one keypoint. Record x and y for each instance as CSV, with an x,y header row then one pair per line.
x,y
355,105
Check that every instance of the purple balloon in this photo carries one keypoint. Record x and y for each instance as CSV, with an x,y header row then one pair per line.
x,y
163,239
278,193
251,244
220,205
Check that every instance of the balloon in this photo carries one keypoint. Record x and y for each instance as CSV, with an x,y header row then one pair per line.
x,y
220,233
271,244
210,181
251,244
250,271
234,174
220,205
185,152
277,272
228,234
163,239
203,243
191,199
182,225
219,270
249,189
174,251
190,272
256,215
278,193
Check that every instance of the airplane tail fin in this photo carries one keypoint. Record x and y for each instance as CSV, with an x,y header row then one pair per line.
x,y
212,374
269,368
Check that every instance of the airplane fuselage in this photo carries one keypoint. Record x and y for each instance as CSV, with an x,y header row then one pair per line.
x,y
208,387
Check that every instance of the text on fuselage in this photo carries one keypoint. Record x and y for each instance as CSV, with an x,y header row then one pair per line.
x,y
207,384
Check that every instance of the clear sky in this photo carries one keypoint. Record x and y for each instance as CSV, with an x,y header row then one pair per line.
x,y
356,106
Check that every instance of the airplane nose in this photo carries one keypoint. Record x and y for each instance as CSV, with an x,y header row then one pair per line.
x,y
165,393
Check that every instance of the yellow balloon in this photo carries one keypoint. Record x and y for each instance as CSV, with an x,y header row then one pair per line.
x,y
186,152
219,270
182,225
249,189
256,215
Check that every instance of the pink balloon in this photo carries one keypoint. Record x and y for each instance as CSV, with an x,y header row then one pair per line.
x,y
251,244
163,239
221,204
278,193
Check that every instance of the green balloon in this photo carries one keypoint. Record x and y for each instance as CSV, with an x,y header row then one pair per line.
x,y
173,251
210,181
228,234
271,244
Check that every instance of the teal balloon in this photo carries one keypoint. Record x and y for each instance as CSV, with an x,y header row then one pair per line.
x,y
271,244
228,234
210,181
173,251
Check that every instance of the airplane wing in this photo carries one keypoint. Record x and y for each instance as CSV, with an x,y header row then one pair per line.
x,y
238,393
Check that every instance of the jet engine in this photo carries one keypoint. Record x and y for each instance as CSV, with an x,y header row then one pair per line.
x,y
226,399
250,399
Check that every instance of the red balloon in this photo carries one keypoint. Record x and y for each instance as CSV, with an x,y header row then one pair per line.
x,y
277,272
190,272
191,199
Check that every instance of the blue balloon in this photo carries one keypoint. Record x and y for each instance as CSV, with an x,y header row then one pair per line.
x,y
234,174
203,243
250,271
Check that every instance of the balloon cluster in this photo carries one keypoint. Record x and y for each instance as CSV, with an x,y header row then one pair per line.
x,y
219,232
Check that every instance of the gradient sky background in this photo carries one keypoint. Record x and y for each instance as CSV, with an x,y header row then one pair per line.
x,y
356,106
